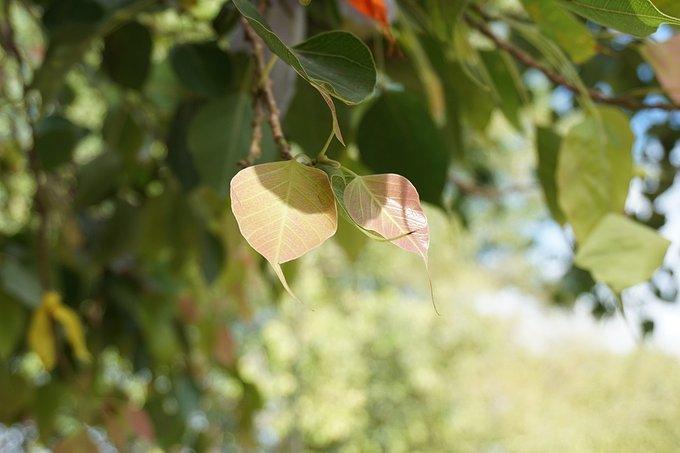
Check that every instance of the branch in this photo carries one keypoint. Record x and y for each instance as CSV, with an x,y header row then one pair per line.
x,y
559,79
41,198
265,89
255,150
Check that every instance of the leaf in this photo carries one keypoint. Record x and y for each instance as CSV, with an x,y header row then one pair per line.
x,y
635,17
671,7
41,337
389,205
665,59
283,210
55,141
373,9
507,83
397,135
621,252
127,55
594,170
19,281
548,147
179,156
98,179
73,329
202,67
305,105
563,28
73,26
219,137
336,63
12,321
123,132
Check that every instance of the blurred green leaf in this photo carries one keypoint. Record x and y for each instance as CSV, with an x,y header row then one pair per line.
x,y
219,137
202,67
55,140
563,28
19,281
98,179
621,252
12,323
548,148
127,55
179,157
123,132
635,17
506,80
397,135
594,169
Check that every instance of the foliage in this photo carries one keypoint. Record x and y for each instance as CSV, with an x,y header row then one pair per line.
x,y
132,130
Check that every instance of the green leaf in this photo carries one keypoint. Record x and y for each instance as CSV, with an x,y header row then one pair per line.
x,y
12,322
219,137
55,141
123,132
283,210
548,147
73,26
635,17
621,252
507,83
336,62
397,135
594,169
671,7
127,55
19,281
563,28
307,105
98,179
179,156
202,68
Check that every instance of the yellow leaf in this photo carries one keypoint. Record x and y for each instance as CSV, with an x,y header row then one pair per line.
x,y
74,331
41,337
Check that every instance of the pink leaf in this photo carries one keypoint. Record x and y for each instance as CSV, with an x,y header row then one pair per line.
x,y
389,205
665,58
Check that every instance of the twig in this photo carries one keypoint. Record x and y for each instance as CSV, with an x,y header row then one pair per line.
x,y
255,150
265,89
529,61
41,198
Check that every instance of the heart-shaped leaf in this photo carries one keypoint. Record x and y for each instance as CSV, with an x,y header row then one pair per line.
x,y
621,252
283,210
389,205
336,63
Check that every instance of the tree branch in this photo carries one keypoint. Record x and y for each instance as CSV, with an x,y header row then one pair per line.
x,y
265,89
41,198
526,59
